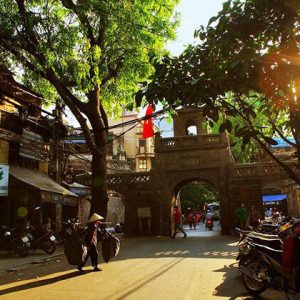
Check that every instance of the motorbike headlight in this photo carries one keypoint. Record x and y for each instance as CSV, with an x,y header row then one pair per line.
x,y
7,234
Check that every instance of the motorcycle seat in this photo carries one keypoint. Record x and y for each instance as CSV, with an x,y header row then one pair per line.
x,y
262,236
270,226
267,248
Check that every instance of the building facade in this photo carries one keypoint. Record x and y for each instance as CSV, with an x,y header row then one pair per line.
x,y
25,153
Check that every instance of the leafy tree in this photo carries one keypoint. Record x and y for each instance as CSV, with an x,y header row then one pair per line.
x,y
89,53
195,194
249,51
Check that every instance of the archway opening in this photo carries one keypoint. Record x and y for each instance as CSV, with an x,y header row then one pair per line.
x,y
191,127
198,200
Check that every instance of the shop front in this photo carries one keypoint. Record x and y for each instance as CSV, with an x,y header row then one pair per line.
x,y
30,189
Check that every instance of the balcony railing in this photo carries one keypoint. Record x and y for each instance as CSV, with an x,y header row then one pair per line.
x,y
259,169
177,143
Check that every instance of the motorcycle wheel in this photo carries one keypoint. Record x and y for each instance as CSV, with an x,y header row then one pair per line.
x,y
243,261
49,247
22,250
253,286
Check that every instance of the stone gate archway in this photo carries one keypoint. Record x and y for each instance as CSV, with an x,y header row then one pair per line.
x,y
198,185
183,158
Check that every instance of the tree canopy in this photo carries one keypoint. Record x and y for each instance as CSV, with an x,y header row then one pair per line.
x,y
194,195
90,53
245,66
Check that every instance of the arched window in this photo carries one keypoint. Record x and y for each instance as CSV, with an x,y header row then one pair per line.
x,y
190,127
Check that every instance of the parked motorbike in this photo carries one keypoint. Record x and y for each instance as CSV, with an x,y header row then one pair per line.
x,y
69,228
270,267
14,242
248,236
41,239
210,224
272,227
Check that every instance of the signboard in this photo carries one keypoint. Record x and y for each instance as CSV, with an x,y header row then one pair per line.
x,y
4,174
144,212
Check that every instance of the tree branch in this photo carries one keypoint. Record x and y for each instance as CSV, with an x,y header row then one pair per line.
x,y
113,73
72,103
282,136
101,36
69,4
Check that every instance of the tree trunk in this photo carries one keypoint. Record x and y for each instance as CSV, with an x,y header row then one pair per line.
x,y
99,192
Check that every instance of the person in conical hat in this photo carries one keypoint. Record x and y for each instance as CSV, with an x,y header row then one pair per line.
x,y
95,217
91,242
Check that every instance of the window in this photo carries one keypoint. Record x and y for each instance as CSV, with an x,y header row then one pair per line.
x,y
190,127
142,146
143,164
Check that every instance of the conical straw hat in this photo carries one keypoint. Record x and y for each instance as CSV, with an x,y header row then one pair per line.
x,y
95,217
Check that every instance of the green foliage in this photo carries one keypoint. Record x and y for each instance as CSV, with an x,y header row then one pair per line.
x,y
246,67
88,44
194,195
1,174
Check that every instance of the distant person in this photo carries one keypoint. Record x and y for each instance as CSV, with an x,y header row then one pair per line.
x,y
178,222
242,215
190,219
194,219
208,218
268,212
253,219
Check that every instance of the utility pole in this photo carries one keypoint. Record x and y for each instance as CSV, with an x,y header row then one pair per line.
x,y
57,156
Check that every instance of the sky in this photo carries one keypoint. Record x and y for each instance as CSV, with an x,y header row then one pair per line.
x,y
193,14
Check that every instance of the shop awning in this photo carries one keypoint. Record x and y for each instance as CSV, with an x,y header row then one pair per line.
x,y
51,190
272,198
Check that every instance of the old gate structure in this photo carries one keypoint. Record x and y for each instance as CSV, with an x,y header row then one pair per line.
x,y
149,197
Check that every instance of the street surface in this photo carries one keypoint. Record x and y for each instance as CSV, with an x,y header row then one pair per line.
x,y
200,267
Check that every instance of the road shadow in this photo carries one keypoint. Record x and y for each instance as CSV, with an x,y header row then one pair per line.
x,y
42,282
232,282
220,247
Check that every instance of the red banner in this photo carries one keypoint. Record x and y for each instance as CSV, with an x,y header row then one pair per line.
x,y
148,125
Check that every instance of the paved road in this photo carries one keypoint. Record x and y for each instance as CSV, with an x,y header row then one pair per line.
x,y
146,268
14,261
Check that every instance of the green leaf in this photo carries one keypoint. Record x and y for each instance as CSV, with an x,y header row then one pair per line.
x,y
212,19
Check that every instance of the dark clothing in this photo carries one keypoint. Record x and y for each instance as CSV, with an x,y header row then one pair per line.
x,y
91,242
179,228
254,218
93,253
91,234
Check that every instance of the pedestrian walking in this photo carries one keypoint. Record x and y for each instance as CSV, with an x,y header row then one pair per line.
x,y
91,242
242,215
178,222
